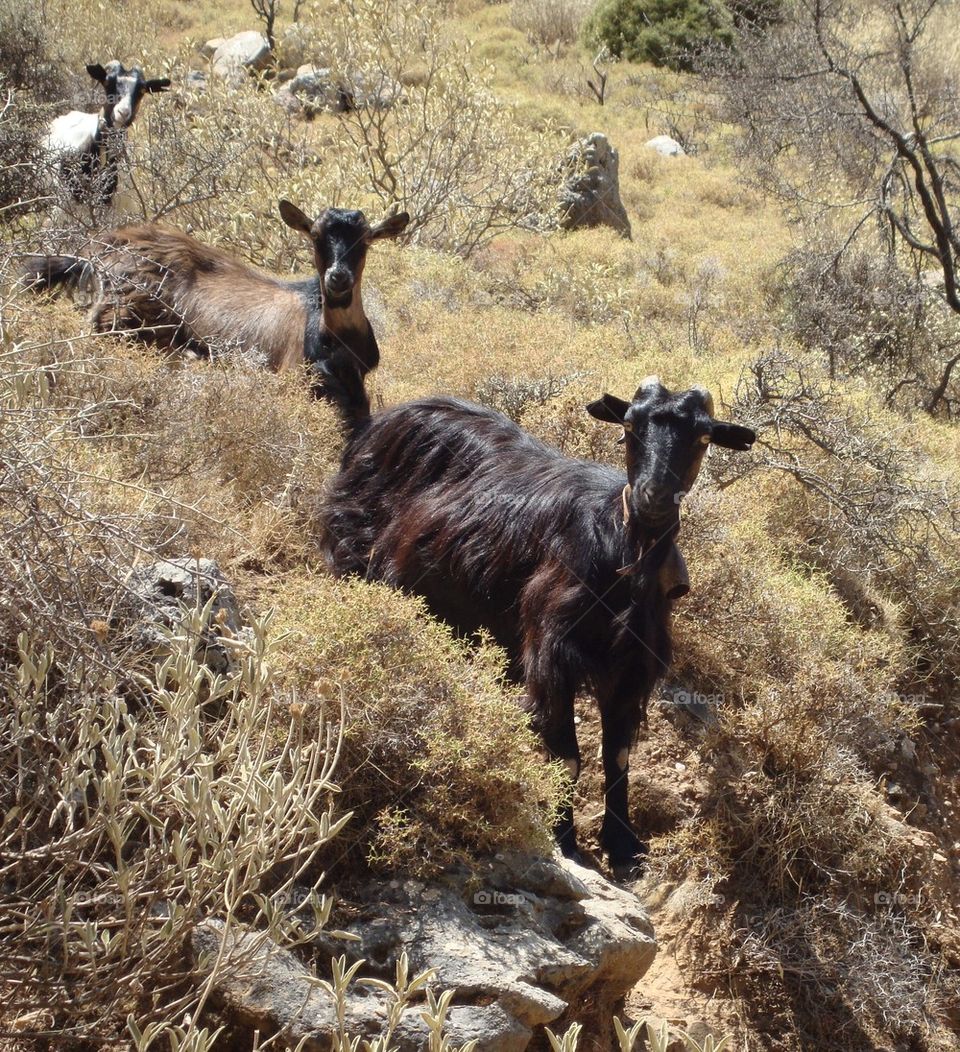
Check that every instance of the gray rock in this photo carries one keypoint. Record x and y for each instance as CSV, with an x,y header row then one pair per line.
x,y
209,49
159,594
666,146
196,81
264,987
531,944
244,53
591,195
368,91
312,89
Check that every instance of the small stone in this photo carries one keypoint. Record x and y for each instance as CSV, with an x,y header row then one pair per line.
x,y
666,146
196,81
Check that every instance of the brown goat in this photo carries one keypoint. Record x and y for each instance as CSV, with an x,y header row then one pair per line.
x,y
173,291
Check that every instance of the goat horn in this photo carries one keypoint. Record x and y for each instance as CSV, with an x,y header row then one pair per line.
x,y
625,497
706,396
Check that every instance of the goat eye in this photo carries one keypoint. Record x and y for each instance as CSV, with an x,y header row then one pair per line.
x,y
705,439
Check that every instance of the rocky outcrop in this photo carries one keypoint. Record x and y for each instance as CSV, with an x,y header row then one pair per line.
x,y
241,55
591,194
530,942
159,594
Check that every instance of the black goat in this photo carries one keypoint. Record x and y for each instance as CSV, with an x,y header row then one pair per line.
x,y
565,562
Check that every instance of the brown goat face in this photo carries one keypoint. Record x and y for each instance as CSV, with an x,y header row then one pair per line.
x,y
340,239
124,90
666,436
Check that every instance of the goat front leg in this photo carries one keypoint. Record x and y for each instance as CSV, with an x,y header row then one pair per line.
x,y
618,838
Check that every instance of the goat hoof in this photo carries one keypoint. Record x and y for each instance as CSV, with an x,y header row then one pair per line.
x,y
576,855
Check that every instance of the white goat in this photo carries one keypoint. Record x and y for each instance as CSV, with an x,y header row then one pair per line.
x,y
85,147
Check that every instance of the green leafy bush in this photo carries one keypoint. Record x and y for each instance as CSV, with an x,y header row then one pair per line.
x,y
664,32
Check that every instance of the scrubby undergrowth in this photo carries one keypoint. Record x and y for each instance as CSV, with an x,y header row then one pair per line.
x,y
815,819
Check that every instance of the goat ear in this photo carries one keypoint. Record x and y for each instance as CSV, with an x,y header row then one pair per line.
x,y
389,226
609,409
732,436
295,219
97,71
157,84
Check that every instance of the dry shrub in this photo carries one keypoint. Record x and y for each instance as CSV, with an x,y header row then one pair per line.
x,y
136,821
869,314
21,127
439,144
27,57
850,980
513,395
864,501
29,79
228,459
131,32
550,24
439,764
140,797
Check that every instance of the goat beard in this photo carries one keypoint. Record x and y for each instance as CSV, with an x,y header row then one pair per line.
x,y
340,301
653,551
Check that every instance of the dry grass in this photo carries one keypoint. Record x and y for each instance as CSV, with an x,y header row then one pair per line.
x,y
824,569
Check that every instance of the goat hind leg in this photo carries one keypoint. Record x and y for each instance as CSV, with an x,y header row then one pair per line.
x,y
556,725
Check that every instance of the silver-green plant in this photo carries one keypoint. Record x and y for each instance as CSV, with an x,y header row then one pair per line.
x,y
130,819
658,1038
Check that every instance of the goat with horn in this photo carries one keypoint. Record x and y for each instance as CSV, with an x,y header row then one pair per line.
x,y
570,565
171,290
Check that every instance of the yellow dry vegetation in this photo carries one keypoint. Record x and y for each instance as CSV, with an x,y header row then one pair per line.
x,y
826,574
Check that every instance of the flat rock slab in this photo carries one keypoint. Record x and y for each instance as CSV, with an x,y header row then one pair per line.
x,y
526,943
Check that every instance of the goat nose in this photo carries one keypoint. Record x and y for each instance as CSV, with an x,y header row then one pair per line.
x,y
338,280
650,494
647,492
